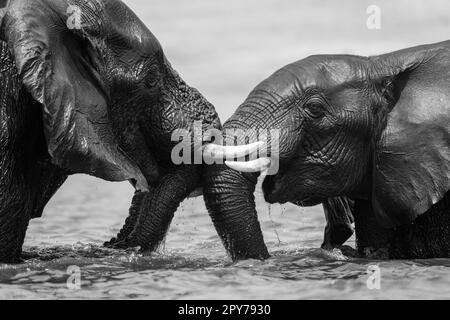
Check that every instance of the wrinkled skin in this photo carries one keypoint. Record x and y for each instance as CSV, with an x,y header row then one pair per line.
x,y
369,138
86,88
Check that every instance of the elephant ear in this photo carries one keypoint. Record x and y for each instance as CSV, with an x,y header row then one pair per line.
x,y
412,161
57,67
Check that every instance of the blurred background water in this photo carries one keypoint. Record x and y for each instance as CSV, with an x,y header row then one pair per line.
x,y
225,48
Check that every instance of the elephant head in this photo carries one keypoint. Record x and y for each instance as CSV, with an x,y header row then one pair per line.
x,y
373,128
107,91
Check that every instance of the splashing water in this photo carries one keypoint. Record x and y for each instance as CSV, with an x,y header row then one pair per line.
x,y
193,263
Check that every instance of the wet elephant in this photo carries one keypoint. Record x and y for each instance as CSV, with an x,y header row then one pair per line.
x,y
369,137
86,88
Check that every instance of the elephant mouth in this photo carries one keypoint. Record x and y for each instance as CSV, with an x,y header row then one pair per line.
x,y
308,201
275,191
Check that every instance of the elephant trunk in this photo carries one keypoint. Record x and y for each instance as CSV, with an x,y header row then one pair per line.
x,y
229,198
131,220
228,188
152,212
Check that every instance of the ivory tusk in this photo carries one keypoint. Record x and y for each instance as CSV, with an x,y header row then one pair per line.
x,y
217,152
257,165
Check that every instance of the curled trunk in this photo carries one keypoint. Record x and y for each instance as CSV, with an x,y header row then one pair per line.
x,y
229,198
152,212
131,220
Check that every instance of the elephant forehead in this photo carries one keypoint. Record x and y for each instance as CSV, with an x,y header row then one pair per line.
x,y
114,22
126,24
326,71
321,71
293,78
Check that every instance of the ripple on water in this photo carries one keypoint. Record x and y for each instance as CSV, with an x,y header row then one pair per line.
x,y
290,273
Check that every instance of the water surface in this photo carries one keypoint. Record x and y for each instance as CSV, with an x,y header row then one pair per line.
x,y
192,263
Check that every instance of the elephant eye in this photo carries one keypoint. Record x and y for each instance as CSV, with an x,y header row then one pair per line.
x,y
314,109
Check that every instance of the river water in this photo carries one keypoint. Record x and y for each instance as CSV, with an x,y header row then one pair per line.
x,y
192,263
225,49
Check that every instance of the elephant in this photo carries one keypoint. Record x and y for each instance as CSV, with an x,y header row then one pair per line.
x,y
86,89
367,137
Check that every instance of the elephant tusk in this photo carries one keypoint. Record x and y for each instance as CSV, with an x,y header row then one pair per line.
x,y
217,152
257,165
